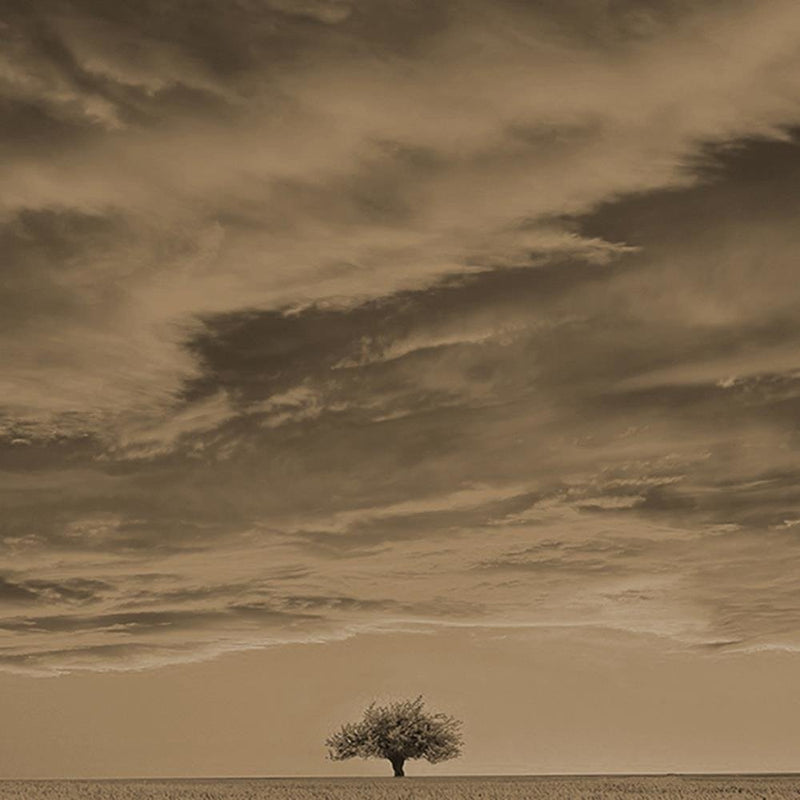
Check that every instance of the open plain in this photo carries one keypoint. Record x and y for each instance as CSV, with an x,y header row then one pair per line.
x,y
666,787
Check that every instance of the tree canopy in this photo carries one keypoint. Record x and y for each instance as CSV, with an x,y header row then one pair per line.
x,y
397,732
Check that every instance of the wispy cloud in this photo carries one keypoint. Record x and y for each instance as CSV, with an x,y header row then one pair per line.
x,y
354,197
322,317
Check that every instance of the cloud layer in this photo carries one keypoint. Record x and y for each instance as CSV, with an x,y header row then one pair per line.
x,y
323,317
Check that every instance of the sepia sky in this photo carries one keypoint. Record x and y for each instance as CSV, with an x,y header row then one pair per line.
x,y
353,349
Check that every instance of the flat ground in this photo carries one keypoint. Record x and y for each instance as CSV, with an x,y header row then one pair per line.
x,y
472,788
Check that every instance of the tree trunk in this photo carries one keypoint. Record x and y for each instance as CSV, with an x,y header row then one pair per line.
x,y
397,766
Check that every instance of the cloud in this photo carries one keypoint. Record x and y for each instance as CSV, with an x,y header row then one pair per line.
x,y
327,11
153,438
328,317
355,197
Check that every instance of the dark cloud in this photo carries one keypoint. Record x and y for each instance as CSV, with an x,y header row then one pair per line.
x,y
483,311
15,592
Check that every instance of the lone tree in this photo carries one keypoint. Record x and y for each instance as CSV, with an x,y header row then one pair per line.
x,y
399,731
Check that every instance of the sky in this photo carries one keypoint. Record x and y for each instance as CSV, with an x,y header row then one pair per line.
x,y
356,349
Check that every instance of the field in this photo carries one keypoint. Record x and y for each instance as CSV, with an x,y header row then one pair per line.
x,y
495,788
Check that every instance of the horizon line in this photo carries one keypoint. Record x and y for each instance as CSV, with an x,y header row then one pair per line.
x,y
671,774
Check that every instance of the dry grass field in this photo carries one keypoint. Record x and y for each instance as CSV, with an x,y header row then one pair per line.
x,y
516,788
